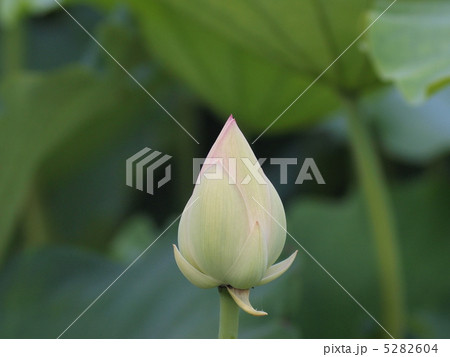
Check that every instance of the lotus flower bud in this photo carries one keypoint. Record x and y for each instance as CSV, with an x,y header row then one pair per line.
x,y
233,227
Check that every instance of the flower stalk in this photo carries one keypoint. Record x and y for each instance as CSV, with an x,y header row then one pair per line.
x,y
229,315
375,193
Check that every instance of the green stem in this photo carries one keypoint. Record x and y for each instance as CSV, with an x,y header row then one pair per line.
x,y
12,61
374,188
229,315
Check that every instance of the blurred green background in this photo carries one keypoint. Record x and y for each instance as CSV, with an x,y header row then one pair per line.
x,y
377,125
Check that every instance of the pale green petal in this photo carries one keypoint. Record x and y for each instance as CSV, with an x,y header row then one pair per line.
x,y
249,267
195,276
277,230
218,226
184,240
276,270
241,298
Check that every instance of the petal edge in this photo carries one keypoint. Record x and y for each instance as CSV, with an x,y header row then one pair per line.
x,y
195,276
278,269
241,298
253,268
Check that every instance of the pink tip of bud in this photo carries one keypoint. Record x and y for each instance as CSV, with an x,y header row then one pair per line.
x,y
230,121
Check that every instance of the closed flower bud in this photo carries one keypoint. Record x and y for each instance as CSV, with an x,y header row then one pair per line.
x,y
233,227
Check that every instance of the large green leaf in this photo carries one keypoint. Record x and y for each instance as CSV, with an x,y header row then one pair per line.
x,y
414,134
410,45
253,58
85,197
338,236
39,113
42,292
